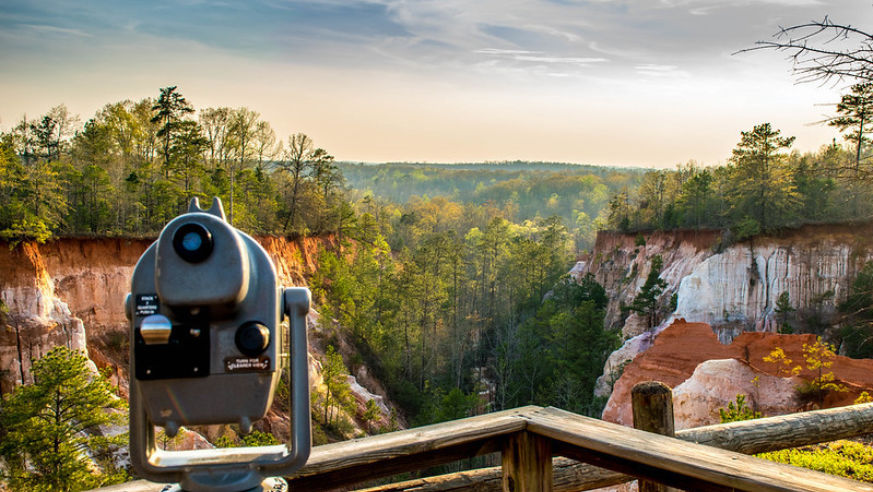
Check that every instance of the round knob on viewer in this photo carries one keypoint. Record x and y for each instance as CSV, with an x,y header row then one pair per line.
x,y
252,338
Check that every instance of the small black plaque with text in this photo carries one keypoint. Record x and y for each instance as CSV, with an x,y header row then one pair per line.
x,y
247,364
146,304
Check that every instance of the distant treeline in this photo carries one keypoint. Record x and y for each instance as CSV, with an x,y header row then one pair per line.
x,y
527,191
764,186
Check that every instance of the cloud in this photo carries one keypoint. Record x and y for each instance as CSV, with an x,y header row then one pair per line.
x,y
432,35
655,70
559,59
497,51
42,28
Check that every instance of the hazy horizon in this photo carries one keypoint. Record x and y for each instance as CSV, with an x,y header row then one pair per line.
x,y
613,83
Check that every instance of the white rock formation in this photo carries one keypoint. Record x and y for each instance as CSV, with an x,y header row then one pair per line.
x,y
716,383
38,320
740,286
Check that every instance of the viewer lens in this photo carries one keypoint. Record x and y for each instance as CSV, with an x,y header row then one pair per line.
x,y
193,242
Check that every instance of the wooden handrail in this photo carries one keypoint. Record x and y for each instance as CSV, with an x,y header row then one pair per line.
x,y
749,437
672,461
627,452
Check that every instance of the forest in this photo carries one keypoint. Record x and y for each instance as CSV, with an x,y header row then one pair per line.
x,y
451,291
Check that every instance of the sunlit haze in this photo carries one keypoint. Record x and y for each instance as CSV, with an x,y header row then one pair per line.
x,y
636,83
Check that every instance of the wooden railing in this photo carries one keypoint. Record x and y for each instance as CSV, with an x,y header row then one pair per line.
x,y
528,437
551,449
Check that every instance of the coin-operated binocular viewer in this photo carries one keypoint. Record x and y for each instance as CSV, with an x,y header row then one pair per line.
x,y
206,348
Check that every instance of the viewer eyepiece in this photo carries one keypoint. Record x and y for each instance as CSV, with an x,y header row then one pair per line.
x,y
193,242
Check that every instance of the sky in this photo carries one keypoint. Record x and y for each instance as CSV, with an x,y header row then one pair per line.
x,y
649,83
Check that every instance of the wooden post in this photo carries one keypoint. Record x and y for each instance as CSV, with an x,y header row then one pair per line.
x,y
527,463
653,412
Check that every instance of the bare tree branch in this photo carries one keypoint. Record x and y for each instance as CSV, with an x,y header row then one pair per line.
x,y
824,51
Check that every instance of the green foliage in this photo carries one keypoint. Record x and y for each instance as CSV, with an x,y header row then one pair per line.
x,y
857,310
135,165
371,413
441,406
783,310
762,185
842,458
855,114
49,427
254,438
645,303
525,191
560,351
737,411
31,204
337,393
465,297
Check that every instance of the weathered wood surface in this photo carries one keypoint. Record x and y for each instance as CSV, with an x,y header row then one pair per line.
x,y
680,464
749,437
567,476
527,463
785,431
349,462
652,404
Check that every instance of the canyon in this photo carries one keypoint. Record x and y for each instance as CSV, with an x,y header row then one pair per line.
x,y
719,313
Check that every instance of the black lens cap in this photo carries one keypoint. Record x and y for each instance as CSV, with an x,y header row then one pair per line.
x,y
193,242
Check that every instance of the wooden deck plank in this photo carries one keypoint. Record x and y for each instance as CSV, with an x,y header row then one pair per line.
x,y
679,464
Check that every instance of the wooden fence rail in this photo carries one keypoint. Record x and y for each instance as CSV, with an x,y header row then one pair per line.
x,y
528,437
748,437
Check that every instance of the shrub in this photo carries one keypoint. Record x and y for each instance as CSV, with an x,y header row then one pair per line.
x,y
842,458
737,412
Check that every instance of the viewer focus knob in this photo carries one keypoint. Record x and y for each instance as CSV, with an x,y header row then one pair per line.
x,y
252,338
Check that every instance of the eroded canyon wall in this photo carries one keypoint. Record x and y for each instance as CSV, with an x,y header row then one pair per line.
x,y
733,288
721,292
71,292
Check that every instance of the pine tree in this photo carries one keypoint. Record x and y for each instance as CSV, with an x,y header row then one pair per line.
x,y
784,309
169,110
763,188
49,427
856,113
337,392
646,301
